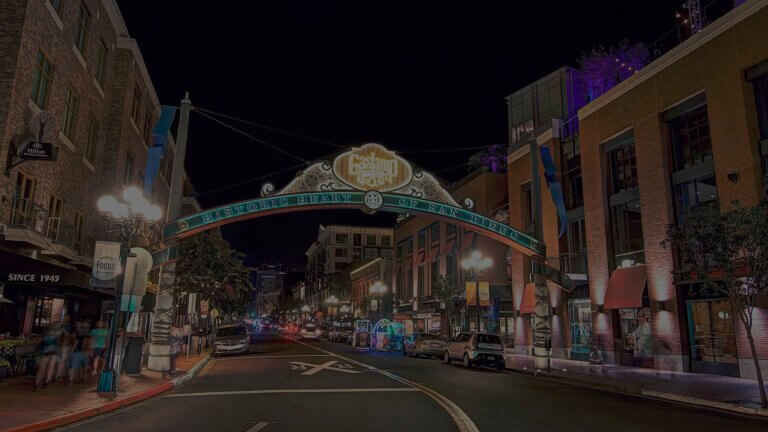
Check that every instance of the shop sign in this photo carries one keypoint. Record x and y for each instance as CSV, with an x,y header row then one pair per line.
x,y
372,167
33,277
106,260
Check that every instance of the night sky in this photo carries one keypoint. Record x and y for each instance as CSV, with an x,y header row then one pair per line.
x,y
413,76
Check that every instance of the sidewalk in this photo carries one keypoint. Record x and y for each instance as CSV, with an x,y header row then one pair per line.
x,y
24,409
712,391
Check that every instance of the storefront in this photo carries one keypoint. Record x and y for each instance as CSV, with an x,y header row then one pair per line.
x,y
711,335
39,294
580,323
627,296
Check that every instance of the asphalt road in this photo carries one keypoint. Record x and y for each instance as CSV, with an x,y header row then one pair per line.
x,y
286,385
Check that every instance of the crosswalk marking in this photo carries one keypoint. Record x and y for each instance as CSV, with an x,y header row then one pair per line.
x,y
258,426
311,369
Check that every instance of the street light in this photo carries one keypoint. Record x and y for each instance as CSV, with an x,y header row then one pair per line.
x,y
344,309
332,301
378,289
134,217
475,268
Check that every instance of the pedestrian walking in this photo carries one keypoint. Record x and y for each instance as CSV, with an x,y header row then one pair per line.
x,y
46,366
175,341
79,359
68,340
185,337
99,337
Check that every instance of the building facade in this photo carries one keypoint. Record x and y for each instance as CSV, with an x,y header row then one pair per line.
x,y
269,287
73,66
363,276
688,130
427,248
336,247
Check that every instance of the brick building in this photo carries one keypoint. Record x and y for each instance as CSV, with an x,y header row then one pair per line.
x,y
74,62
363,276
687,130
428,247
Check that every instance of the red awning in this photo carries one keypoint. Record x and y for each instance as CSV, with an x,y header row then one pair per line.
x,y
433,253
625,288
449,245
529,299
418,259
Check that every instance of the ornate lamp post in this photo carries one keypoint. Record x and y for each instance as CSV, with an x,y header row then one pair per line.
x,y
132,218
378,289
475,268
344,309
305,310
332,301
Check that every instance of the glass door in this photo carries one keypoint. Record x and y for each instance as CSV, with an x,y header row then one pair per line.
x,y
713,344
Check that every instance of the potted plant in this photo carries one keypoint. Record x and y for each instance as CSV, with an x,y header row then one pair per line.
x,y
5,369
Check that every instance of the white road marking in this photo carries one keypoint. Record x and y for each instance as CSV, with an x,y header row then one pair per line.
x,y
462,420
311,368
271,356
258,426
277,391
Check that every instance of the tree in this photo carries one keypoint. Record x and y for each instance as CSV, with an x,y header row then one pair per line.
x,y
494,157
446,290
603,67
209,267
340,285
728,252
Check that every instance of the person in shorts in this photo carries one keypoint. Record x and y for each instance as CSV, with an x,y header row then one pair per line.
x,y
78,360
99,337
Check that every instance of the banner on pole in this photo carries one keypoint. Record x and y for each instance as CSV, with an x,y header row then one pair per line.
x,y
485,293
471,291
106,260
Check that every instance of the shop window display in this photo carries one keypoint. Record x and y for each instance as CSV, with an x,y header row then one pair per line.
x,y
580,311
636,338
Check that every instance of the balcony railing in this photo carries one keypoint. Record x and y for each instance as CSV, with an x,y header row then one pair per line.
x,y
569,263
28,214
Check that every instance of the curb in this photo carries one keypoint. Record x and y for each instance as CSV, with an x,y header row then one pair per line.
x,y
110,406
723,407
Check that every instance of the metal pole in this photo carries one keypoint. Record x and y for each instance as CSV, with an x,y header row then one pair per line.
x,y
108,377
477,305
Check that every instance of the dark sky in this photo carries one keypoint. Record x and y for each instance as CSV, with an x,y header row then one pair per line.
x,y
413,75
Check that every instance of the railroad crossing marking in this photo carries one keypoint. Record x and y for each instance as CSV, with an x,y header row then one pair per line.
x,y
311,369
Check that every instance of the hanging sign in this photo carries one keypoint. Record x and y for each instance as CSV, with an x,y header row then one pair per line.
x,y
39,151
471,291
372,167
106,260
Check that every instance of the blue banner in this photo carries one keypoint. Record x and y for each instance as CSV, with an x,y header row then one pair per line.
x,y
555,188
157,150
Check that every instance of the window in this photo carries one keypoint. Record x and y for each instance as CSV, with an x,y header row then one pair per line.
x,y
690,196
148,127
572,181
370,240
434,233
79,227
421,282
760,84
70,114
434,273
527,208
54,217
422,238
357,239
451,266
341,252
691,144
93,137
136,103
128,174
341,238
101,63
450,230
41,80
23,207
408,246
623,168
386,253
409,283
627,229
56,5
371,253
83,22
386,241
356,254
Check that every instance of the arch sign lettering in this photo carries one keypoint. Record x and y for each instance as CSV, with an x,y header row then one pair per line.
x,y
370,178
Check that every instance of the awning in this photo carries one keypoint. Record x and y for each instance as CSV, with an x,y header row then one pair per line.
x,y
418,259
433,254
625,288
449,245
529,299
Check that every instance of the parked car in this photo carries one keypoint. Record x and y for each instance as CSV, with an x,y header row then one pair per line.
x,y
424,344
310,332
482,349
339,334
323,331
231,339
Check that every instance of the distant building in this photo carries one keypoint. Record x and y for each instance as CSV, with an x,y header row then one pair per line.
x,y
363,276
336,247
268,287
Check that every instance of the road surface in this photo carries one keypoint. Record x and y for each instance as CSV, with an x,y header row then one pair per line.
x,y
285,385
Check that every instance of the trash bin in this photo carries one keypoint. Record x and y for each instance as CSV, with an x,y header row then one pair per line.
x,y
132,360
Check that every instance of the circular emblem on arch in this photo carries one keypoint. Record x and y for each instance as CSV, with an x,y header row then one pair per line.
x,y
183,225
373,200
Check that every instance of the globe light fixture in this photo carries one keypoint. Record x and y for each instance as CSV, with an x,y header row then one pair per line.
x,y
475,267
305,309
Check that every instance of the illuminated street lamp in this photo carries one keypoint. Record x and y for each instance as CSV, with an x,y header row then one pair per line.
x,y
332,301
344,309
134,217
378,289
475,268
305,309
